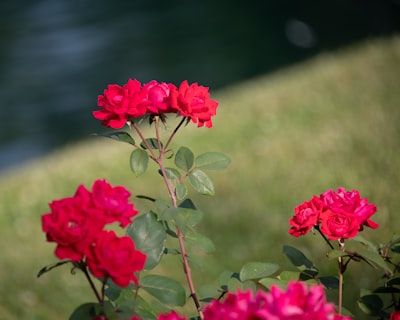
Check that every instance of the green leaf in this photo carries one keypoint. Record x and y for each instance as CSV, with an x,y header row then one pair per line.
x,y
149,236
201,182
172,174
139,161
208,292
330,282
224,278
299,260
289,275
374,258
335,253
200,242
212,161
371,304
257,270
184,158
268,282
181,191
51,267
121,136
183,218
86,311
166,290
152,142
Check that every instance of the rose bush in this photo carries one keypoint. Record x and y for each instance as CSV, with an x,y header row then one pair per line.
x,y
124,264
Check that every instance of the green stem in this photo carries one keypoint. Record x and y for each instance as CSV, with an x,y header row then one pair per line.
x,y
81,265
341,271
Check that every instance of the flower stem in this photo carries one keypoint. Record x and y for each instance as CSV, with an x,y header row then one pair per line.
x,y
81,265
159,160
341,271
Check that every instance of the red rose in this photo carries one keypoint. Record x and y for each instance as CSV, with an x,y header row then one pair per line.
x,y
73,223
306,216
119,104
337,225
350,202
194,101
395,315
115,257
114,201
173,315
158,99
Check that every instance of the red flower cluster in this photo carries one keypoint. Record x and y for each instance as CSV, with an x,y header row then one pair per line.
x,y
339,215
77,224
298,302
133,100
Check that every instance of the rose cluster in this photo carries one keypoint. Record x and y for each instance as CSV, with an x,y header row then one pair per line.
x,y
77,225
120,104
338,215
298,302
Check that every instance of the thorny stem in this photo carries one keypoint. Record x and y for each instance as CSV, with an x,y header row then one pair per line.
x,y
171,192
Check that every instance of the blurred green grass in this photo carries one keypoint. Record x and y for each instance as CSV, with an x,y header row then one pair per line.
x,y
331,121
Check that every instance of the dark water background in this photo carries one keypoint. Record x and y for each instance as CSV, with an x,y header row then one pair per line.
x,y
57,55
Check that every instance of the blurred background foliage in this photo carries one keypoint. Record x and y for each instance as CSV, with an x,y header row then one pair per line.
x,y
58,55
309,100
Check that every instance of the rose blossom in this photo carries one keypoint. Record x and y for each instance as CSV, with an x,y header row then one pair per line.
x,y
119,104
298,302
352,203
194,101
73,223
306,217
170,316
115,257
157,97
114,202
395,315
338,225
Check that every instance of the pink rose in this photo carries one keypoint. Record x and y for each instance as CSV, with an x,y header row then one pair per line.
x,y
157,98
73,223
194,101
339,225
395,315
296,302
114,201
119,104
115,257
306,216
170,316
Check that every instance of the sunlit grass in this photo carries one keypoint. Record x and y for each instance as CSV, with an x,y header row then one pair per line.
x,y
332,121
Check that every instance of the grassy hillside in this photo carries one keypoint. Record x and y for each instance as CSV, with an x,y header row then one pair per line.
x,y
332,121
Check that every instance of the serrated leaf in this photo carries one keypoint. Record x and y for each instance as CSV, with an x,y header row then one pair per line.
x,y
51,267
121,136
149,236
151,142
212,161
257,270
139,161
201,182
166,290
184,158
